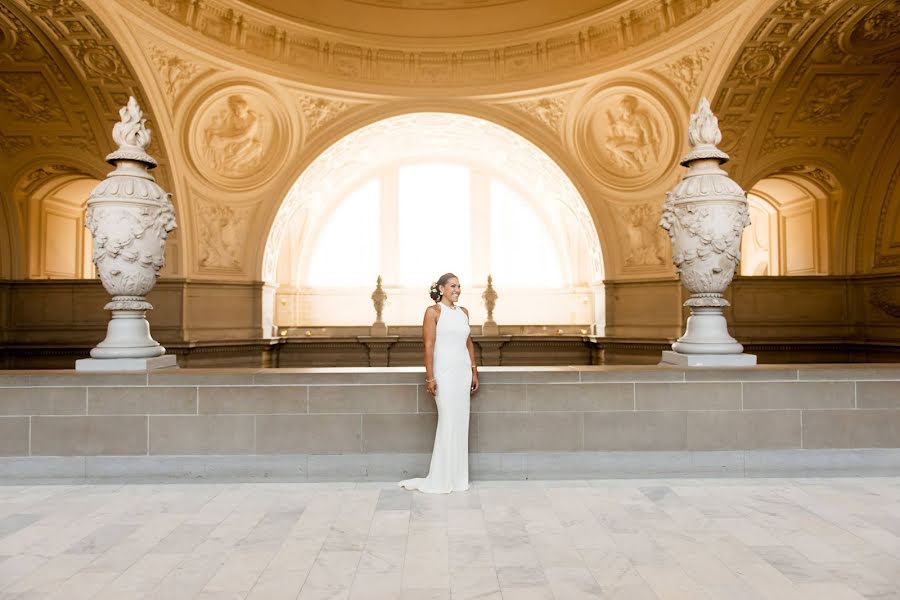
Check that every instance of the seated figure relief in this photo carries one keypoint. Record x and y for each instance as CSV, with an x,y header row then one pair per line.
x,y
234,141
632,141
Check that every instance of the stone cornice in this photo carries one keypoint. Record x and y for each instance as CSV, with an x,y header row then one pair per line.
x,y
579,48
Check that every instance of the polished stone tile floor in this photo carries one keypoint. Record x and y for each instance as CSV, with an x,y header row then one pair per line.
x,y
628,539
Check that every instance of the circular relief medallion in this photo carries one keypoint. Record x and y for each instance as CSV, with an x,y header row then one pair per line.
x,y
625,137
238,136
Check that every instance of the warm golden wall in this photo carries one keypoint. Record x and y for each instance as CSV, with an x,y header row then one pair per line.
x,y
802,90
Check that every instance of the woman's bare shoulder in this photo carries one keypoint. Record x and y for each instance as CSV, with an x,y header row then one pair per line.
x,y
465,310
432,310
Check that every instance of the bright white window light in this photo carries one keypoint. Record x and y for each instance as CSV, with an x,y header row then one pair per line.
x,y
522,251
434,202
347,252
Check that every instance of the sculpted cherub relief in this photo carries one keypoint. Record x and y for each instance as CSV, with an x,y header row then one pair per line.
x,y
234,138
219,232
633,139
644,240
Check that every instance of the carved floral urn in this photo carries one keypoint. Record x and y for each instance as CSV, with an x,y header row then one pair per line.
x,y
129,216
704,216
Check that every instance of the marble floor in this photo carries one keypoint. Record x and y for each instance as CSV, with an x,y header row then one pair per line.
x,y
628,539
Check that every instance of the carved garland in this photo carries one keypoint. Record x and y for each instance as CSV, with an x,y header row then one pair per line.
x,y
695,220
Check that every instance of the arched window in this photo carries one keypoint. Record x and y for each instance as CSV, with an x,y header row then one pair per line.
x,y
442,215
347,250
411,197
522,251
434,222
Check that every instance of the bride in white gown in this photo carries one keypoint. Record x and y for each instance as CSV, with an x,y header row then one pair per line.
x,y
450,376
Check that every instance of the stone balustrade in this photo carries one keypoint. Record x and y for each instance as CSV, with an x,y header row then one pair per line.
x,y
528,422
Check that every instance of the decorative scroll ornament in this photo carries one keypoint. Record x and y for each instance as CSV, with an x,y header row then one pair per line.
x,y
704,216
129,216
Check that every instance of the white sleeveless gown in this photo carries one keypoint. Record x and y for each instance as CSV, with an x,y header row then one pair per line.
x,y
449,471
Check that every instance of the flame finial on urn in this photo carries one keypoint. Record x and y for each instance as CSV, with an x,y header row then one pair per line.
x,y
132,135
704,135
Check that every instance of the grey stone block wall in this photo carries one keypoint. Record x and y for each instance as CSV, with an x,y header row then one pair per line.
x,y
384,412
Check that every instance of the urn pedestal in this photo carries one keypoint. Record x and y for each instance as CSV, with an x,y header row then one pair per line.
x,y
129,216
704,216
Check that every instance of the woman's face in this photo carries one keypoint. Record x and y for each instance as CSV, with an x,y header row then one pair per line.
x,y
451,289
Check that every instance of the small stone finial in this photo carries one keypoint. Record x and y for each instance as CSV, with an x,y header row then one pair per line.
x,y
704,135
132,135
490,300
379,297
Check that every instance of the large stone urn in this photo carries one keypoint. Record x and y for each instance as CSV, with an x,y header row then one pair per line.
x,y
129,216
704,216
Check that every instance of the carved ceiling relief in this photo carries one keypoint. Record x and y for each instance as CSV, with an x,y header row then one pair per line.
x,y
685,73
29,97
799,9
746,90
624,137
831,79
234,137
222,234
549,111
876,31
175,71
829,98
65,104
588,41
318,111
646,240
238,136
759,63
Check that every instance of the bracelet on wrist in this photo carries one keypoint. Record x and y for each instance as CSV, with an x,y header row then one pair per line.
x,y
429,381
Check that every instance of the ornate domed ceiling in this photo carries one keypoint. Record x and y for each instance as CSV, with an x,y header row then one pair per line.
x,y
433,18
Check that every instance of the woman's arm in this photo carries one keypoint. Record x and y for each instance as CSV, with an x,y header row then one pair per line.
x,y
470,346
429,331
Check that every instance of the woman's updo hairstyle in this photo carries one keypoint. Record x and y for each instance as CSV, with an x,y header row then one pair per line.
x,y
435,291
